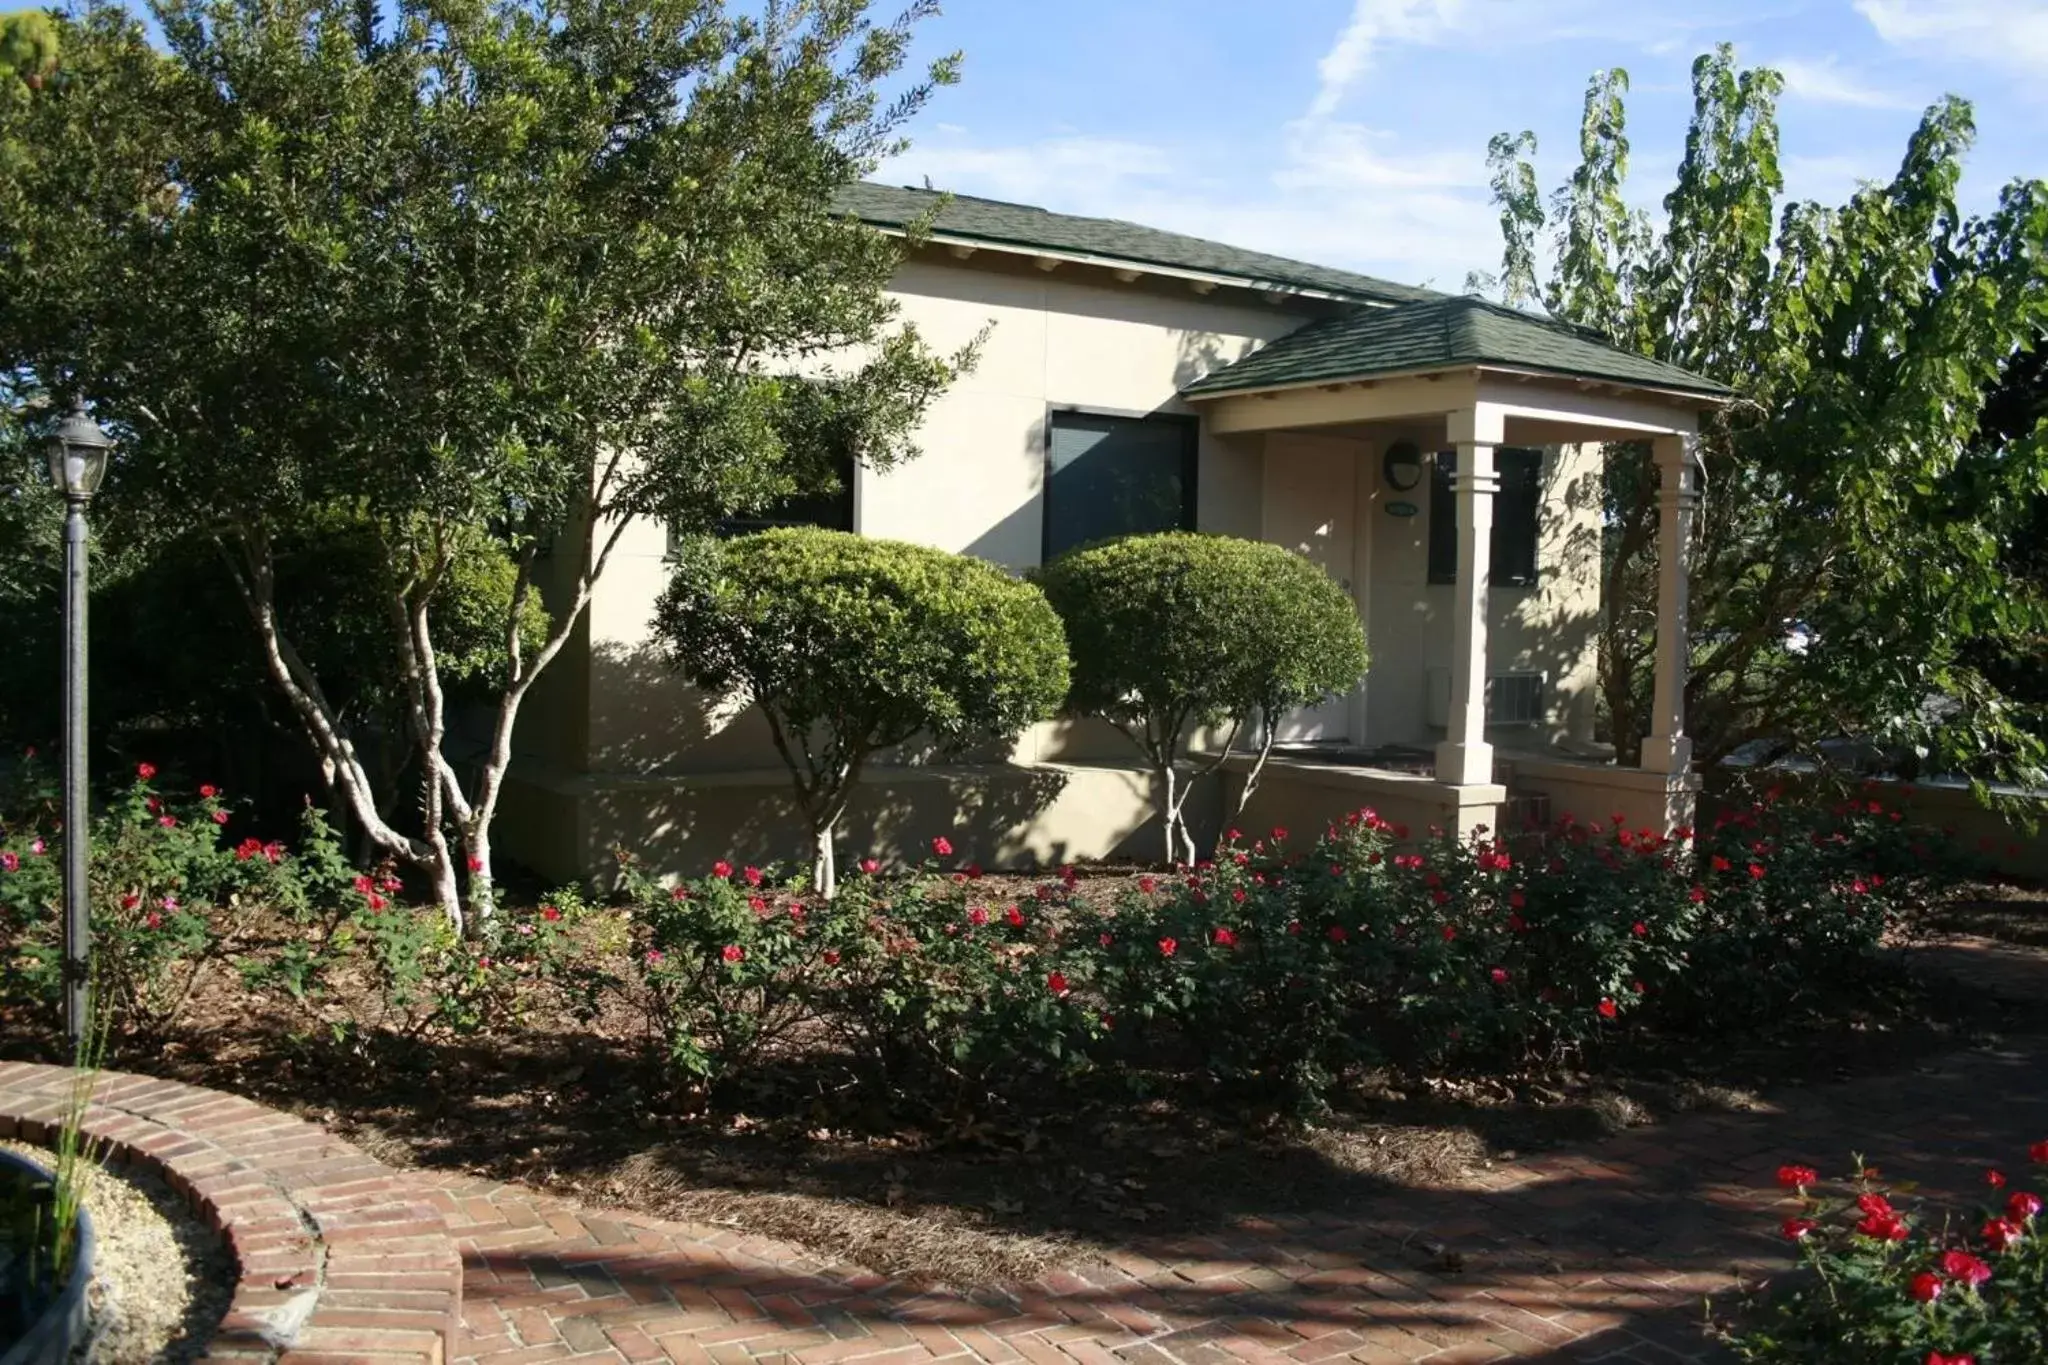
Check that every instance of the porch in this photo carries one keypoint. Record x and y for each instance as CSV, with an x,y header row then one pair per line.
x,y
1403,449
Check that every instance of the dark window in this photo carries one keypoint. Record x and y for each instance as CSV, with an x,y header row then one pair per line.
x,y
1515,518
833,511
1116,476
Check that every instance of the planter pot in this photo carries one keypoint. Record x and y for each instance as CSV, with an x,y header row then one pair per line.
x,y
57,1325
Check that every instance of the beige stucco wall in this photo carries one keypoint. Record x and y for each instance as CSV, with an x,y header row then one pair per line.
x,y
1549,628
612,724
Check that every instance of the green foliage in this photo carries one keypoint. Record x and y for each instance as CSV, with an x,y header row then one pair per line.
x,y
1180,630
1882,1281
1848,491
492,281
851,645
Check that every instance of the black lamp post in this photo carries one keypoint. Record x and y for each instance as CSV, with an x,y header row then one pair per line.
x,y
78,461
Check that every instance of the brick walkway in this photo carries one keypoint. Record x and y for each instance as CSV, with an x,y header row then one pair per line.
x,y
1605,1254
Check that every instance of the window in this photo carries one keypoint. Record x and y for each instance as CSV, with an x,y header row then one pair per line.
x,y
832,511
1116,476
1515,517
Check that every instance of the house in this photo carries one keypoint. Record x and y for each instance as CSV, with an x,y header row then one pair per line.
x,y
1439,456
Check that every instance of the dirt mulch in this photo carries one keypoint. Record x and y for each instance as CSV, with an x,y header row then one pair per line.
x,y
2006,912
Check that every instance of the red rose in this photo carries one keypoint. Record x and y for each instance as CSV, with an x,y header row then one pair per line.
x,y
1168,946
1874,1203
1959,1358
1639,929
1799,1229
1961,1265
2022,1206
1015,917
207,791
1797,1177
870,866
753,876
1995,1179
145,771
1279,835
167,821
1294,928
2002,1234
1056,983
1450,931
1223,938
732,952
1147,885
1517,900
220,817
1697,894
1756,871
942,847
654,957
721,868
550,914
1104,939
1721,864
476,864
757,905
1925,1287
1499,976
1885,1227
2038,1153
1608,1009
977,915
1108,1020
1337,934
10,862
831,957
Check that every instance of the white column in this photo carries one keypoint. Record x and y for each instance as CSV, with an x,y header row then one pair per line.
x,y
1465,758
1669,748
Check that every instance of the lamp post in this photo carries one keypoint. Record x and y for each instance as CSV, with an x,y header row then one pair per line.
x,y
78,461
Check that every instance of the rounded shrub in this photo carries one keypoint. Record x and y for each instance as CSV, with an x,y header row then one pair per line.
x,y
1174,631
851,645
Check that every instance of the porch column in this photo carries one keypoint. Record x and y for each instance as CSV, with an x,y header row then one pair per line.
x,y
1669,748
1465,759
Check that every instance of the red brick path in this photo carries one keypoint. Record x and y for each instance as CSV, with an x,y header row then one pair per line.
x,y
1601,1255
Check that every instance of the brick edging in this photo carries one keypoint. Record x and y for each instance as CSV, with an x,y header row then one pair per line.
x,y
340,1258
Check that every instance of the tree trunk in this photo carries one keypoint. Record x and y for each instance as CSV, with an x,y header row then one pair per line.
x,y
824,870
1170,813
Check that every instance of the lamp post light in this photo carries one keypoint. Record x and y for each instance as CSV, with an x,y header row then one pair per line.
x,y
78,461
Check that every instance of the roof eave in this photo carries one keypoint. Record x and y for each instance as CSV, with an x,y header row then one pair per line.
x,y
1193,277
1336,381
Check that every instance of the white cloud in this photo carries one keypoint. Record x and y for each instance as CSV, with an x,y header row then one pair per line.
x,y
2009,33
1373,24
1825,82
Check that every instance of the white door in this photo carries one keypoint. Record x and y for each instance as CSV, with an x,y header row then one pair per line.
x,y
1311,498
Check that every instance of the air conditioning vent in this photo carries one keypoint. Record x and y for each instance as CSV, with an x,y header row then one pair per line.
x,y
1511,698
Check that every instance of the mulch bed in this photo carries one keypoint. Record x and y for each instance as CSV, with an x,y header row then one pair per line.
x,y
1027,1185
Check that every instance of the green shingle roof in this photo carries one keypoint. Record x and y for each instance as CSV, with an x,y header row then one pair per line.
x,y
1021,226
1438,333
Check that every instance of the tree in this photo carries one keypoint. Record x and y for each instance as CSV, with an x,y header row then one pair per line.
x,y
1177,632
850,646
1848,568
492,279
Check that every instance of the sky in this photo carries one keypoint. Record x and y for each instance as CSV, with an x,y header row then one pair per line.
x,y
1353,132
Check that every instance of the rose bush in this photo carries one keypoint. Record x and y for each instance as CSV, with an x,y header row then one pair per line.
x,y
1886,1282
173,897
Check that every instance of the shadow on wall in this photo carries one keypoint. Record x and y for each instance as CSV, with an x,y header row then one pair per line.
x,y
1554,626
989,813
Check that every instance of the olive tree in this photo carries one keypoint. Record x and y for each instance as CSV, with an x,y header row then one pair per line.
x,y
850,646
1177,632
494,280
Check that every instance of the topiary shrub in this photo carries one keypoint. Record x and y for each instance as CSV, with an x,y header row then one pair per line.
x,y
1176,631
850,645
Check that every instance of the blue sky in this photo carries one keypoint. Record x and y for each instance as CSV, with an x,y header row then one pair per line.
x,y
1353,132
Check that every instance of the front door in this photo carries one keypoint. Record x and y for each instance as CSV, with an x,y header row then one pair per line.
x,y
1311,498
